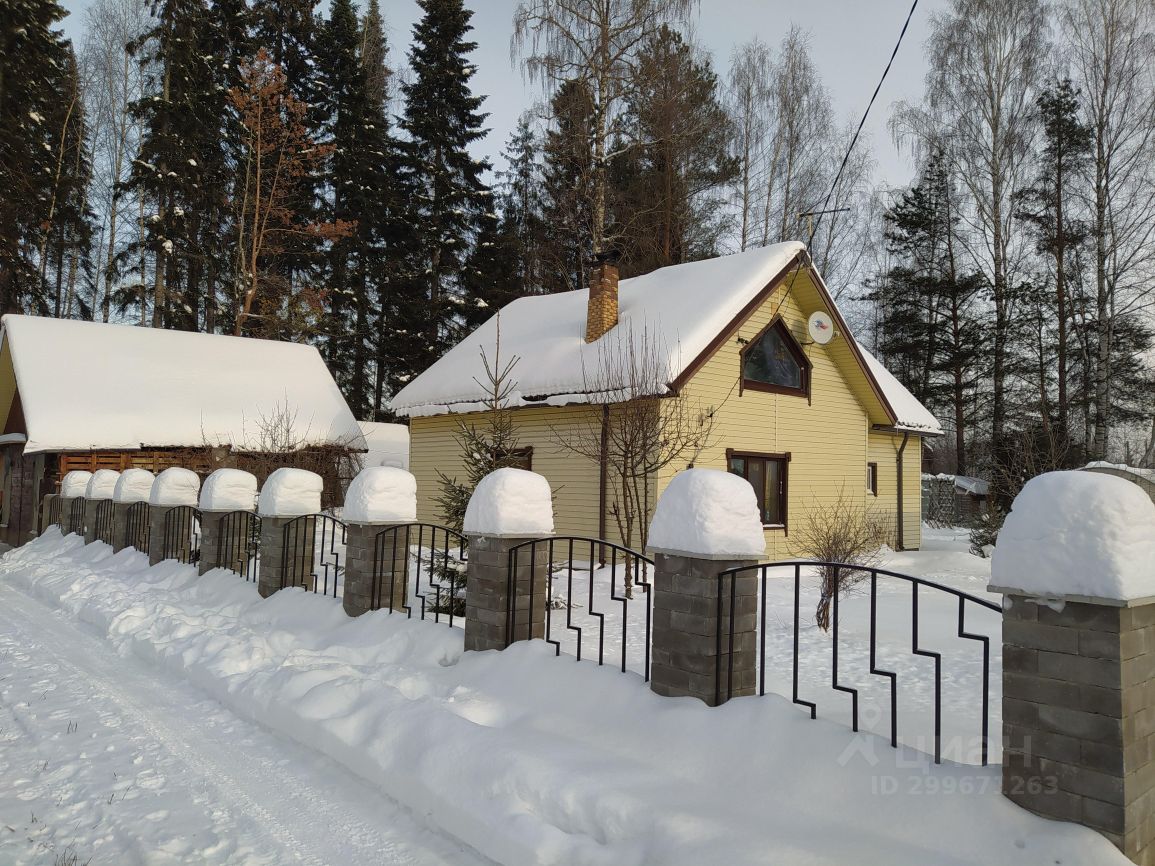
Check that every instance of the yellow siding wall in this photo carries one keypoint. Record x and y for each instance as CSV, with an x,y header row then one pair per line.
x,y
883,450
574,479
825,437
829,438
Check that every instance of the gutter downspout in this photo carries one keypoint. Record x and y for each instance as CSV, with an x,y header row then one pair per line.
x,y
901,540
603,479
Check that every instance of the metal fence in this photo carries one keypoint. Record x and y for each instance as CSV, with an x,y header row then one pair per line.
x,y
181,534
422,566
239,543
76,515
840,573
137,526
103,528
313,549
54,509
604,591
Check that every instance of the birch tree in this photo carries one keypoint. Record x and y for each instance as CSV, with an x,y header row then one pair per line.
x,y
594,42
1110,44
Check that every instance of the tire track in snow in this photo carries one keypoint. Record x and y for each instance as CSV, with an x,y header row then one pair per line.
x,y
310,808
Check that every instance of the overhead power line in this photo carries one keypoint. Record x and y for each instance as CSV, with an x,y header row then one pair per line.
x,y
846,157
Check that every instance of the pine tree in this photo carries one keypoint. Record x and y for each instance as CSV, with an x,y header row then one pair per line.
x,y
521,206
671,209
1049,207
567,190
930,333
32,63
442,119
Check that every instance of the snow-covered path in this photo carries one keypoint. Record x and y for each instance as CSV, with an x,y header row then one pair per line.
x,y
109,758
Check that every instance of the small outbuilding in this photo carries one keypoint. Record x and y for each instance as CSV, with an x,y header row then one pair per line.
x,y
86,395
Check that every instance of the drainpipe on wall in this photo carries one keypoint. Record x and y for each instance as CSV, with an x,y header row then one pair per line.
x,y
901,529
603,479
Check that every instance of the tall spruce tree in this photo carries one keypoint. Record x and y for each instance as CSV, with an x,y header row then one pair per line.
x,y
670,207
33,59
567,189
179,170
442,118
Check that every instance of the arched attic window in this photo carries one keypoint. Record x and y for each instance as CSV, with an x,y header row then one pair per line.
x,y
773,361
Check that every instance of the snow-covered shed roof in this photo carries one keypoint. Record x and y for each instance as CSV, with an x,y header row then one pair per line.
x,y
682,308
90,386
387,444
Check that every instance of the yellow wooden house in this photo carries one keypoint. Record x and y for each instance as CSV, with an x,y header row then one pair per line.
x,y
807,419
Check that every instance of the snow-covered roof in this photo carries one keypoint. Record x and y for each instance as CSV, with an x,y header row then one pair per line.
x,y
679,309
965,483
388,444
86,385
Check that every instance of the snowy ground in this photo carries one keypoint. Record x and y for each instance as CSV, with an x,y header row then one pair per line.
x,y
147,715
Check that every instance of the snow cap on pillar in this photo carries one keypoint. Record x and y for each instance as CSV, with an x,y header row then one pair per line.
x,y
708,514
102,484
75,484
133,485
290,493
1079,536
381,494
175,486
510,503
229,490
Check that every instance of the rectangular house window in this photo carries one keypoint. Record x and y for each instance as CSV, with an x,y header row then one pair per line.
x,y
767,475
872,478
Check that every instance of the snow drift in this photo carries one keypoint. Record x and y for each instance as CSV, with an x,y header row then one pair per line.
x,y
708,513
1081,534
533,759
290,492
133,485
381,494
229,490
510,502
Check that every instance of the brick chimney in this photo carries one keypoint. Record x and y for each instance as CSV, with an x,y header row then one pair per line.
x,y
602,312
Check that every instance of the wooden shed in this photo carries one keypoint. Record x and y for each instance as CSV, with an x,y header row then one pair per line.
x,y
85,395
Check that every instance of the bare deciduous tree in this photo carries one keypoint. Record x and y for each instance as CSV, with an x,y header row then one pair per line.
x,y
594,42
641,430
1111,44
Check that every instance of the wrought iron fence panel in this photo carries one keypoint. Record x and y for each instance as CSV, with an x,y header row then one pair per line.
x,y
76,516
103,528
429,560
239,543
313,551
616,598
181,534
138,527
921,590
54,508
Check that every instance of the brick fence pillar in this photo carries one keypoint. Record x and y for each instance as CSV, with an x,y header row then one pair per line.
x,y
1073,562
705,623
71,515
90,506
704,628
180,535
1079,715
375,578
46,506
504,604
120,533
286,558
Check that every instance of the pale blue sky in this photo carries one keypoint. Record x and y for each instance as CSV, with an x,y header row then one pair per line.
x,y
851,41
